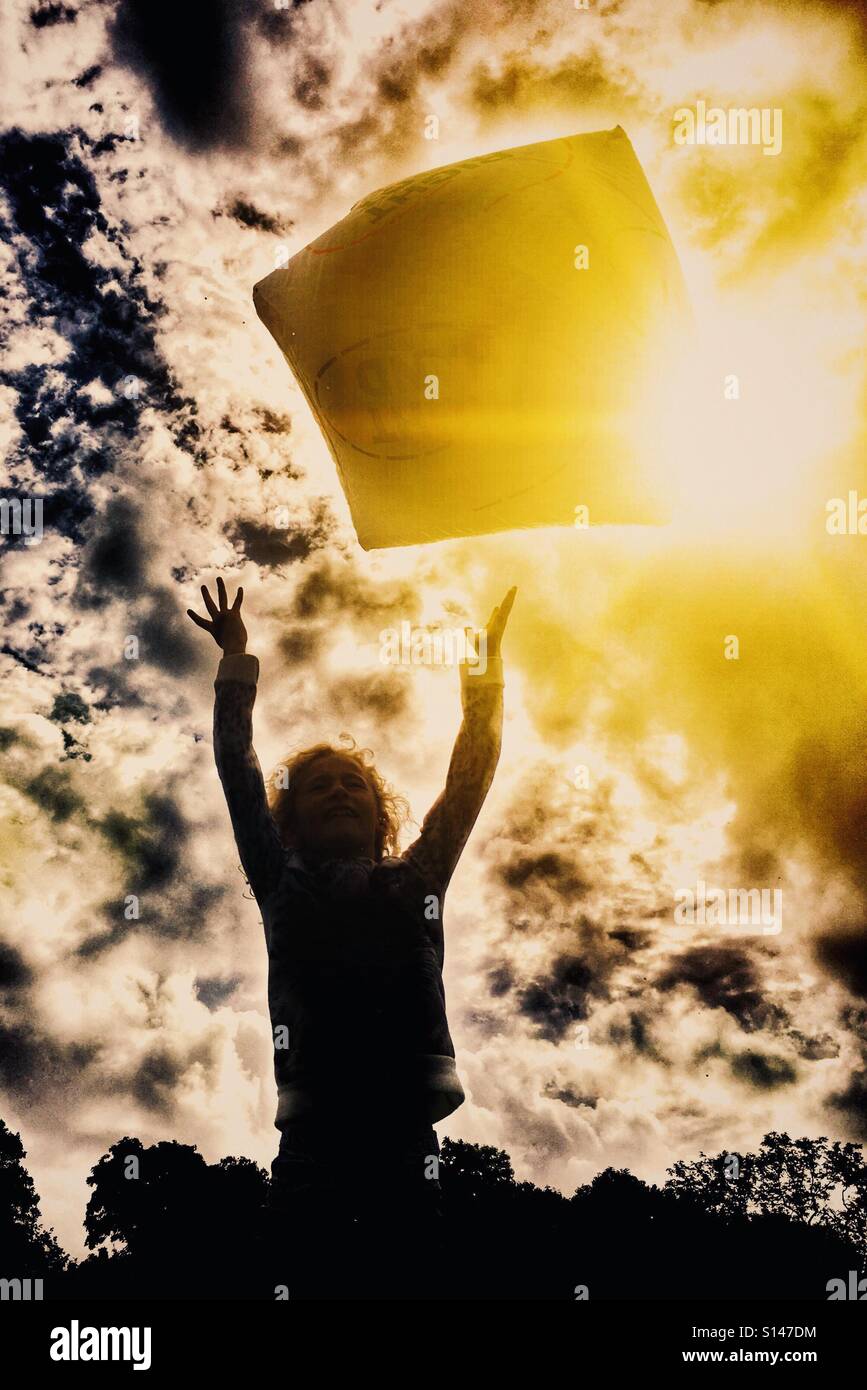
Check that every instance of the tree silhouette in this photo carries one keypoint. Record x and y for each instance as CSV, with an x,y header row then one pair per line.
x,y
143,1197
162,1223
172,1220
473,1170
809,1181
28,1250
503,1236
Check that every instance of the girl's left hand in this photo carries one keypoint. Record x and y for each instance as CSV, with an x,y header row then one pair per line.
x,y
487,651
497,622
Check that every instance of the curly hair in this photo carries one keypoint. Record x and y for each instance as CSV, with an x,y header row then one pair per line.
x,y
392,808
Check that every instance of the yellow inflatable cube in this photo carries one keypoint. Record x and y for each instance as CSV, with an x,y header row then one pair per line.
x,y
482,345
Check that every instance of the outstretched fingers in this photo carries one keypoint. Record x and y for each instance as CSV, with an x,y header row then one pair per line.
x,y
218,611
500,616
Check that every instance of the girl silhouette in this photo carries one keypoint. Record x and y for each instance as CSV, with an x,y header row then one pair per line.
x,y
354,932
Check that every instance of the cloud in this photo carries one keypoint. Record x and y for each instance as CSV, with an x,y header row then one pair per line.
x,y
843,953
14,973
851,1101
265,546
764,1071
114,561
79,414
250,216
201,79
45,14
31,1062
557,1000
727,978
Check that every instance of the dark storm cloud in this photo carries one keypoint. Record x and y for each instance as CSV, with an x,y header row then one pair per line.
x,y
814,1049
113,564
195,59
154,1084
33,1065
500,981
543,897
101,939
151,842
248,215
560,998
15,974
151,845
215,991
272,423
520,83
86,78
762,1071
386,695
549,886
635,1034
114,687
16,606
550,867
105,316
180,912
69,707
113,567
299,645
312,81
30,658
635,939
333,589
843,954
421,51
567,1096
34,1069
724,977
271,547
278,26
166,638
45,16
52,790
852,1102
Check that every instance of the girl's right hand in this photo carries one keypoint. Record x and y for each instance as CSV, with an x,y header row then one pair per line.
x,y
226,625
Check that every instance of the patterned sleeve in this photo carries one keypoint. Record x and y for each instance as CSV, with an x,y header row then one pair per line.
x,y
448,824
256,835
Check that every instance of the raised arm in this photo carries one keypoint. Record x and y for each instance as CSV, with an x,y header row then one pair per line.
x,y
256,835
448,824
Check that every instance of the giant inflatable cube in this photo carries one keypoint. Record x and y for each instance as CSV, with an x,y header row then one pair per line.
x,y
482,344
